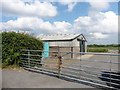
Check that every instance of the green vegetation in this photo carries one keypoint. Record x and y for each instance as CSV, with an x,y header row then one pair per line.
x,y
13,43
97,50
110,46
102,48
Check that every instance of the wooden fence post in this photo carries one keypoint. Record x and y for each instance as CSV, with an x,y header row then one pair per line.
x,y
59,65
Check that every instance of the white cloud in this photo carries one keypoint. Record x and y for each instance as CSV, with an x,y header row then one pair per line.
x,y
20,8
97,35
70,4
99,4
35,24
62,27
103,27
102,23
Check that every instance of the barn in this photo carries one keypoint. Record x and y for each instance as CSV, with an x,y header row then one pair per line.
x,y
64,43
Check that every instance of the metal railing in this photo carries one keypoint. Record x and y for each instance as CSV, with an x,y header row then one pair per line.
x,y
97,69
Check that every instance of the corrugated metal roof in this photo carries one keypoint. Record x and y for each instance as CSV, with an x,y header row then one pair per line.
x,y
58,37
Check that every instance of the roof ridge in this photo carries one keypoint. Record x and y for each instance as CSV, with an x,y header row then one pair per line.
x,y
60,34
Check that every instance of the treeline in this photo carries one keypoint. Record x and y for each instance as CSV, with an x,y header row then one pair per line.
x,y
101,45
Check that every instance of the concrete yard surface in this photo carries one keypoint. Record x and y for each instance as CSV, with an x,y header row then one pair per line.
x,y
27,79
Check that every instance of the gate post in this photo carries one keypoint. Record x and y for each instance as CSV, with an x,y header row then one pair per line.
x,y
28,58
59,65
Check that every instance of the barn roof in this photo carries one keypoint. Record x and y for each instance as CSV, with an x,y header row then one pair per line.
x,y
60,37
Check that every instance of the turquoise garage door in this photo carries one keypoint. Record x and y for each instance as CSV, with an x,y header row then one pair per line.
x,y
46,50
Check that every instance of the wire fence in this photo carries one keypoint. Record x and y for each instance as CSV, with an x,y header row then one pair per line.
x,y
97,69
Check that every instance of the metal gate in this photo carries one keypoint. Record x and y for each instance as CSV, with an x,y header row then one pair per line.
x,y
96,69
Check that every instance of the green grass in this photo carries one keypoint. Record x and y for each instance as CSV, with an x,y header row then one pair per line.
x,y
101,49
97,50
110,48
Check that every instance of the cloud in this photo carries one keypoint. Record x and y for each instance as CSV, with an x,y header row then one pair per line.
x,y
70,4
35,8
99,4
62,27
103,26
99,26
97,35
37,25
101,22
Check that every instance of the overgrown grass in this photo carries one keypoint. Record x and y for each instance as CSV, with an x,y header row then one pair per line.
x,y
13,67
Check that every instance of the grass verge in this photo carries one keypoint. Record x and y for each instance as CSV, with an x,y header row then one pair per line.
x,y
12,67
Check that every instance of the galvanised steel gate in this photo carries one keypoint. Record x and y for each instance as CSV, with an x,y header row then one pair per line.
x,y
97,69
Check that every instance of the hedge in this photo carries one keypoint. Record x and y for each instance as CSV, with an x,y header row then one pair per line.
x,y
13,43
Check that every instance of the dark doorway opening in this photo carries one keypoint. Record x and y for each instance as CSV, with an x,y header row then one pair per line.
x,y
82,46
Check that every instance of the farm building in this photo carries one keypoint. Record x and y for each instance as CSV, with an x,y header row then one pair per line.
x,y
64,43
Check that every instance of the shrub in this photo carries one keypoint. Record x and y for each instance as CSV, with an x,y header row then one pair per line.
x,y
13,43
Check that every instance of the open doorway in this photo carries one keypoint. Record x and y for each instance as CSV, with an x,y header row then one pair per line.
x,y
82,46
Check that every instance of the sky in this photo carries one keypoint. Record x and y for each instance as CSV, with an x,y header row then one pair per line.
x,y
96,20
